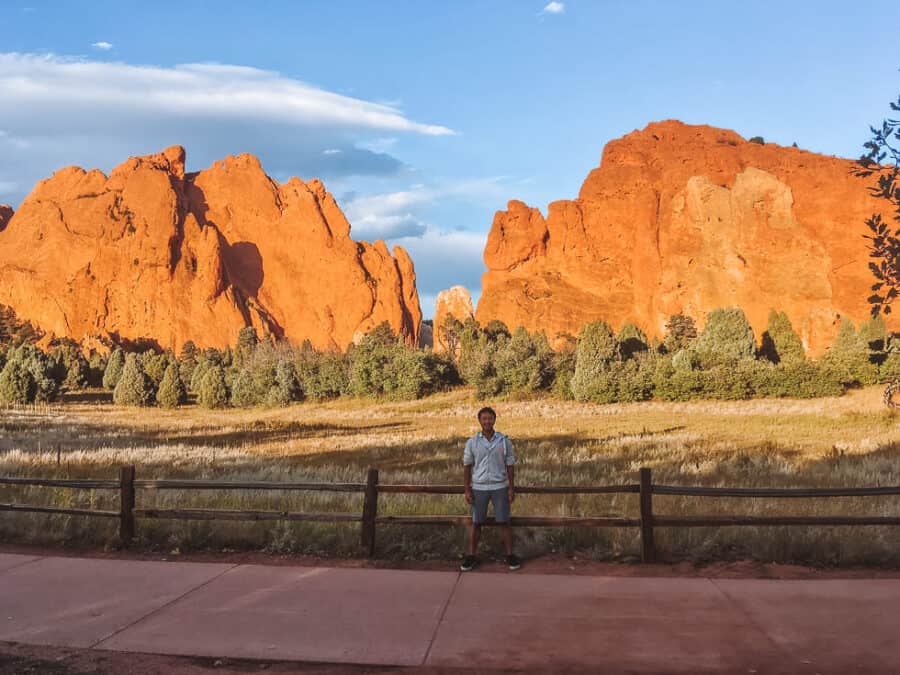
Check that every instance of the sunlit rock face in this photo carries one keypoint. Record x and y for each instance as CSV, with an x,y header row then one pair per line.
x,y
687,219
151,253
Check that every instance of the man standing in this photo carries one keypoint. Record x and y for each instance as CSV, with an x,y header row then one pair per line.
x,y
489,476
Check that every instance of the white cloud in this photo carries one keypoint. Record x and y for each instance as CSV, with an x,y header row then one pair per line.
x,y
105,46
444,259
394,215
116,110
388,216
554,8
193,90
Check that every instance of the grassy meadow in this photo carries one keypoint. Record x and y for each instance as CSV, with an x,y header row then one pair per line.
x,y
848,441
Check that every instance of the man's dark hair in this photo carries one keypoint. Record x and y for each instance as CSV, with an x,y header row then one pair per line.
x,y
487,410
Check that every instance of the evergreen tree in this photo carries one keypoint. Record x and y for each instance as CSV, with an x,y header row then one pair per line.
x,y
681,331
17,385
848,357
780,343
632,340
726,339
246,343
597,350
134,388
114,368
213,391
171,392
286,388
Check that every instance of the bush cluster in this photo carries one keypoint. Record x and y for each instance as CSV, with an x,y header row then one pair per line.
x,y
722,361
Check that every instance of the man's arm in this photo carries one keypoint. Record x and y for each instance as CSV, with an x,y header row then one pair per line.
x,y
511,470
468,461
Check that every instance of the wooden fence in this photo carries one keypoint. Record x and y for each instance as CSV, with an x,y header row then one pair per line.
x,y
128,513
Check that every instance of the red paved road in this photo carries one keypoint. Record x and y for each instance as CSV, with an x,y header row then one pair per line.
x,y
444,619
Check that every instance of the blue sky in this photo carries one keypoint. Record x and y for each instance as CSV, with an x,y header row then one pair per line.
x,y
425,117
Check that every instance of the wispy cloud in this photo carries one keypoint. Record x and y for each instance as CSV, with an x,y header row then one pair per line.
x,y
192,90
105,46
554,8
115,110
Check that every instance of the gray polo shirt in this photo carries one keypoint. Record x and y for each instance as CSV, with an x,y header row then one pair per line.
x,y
489,459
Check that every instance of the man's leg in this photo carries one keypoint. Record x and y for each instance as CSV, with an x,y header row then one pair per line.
x,y
506,532
479,514
474,537
502,514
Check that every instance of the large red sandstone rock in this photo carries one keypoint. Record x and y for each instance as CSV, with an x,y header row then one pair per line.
x,y
152,253
455,302
682,218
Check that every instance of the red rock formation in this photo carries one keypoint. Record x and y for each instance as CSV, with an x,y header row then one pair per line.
x,y
455,302
682,218
152,253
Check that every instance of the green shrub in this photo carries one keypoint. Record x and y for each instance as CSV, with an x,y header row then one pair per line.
x,y
97,367
413,374
726,339
135,388
564,369
114,368
674,378
681,331
849,357
632,340
597,350
156,365
212,389
370,360
171,392
780,343
804,379
322,375
209,359
523,363
187,361
246,344
17,385
286,389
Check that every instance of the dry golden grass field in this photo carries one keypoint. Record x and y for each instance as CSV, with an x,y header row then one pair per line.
x,y
847,441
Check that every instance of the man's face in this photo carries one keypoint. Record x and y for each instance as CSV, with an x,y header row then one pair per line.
x,y
487,422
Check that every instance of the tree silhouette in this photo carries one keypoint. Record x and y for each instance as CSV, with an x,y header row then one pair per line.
x,y
882,160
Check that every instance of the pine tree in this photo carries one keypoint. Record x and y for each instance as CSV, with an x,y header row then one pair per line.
x,y
134,388
17,385
726,339
780,343
213,392
681,331
171,392
114,368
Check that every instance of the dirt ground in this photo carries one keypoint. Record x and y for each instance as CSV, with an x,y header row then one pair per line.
x,y
547,564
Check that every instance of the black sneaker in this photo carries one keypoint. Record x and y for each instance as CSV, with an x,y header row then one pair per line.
x,y
469,563
513,562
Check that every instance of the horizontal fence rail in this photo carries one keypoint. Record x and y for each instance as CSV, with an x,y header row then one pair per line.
x,y
369,519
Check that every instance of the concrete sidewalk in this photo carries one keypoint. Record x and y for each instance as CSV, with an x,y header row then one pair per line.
x,y
444,619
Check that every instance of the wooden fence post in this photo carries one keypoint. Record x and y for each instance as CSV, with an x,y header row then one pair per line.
x,y
648,546
126,505
370,512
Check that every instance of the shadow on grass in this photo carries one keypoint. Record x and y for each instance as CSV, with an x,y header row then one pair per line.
x,y
67,435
